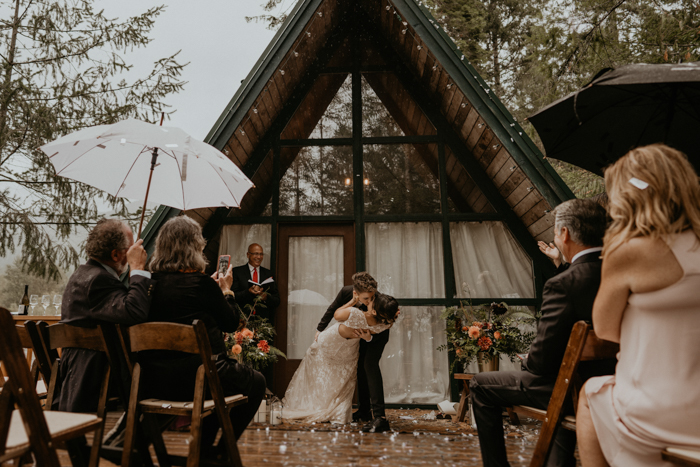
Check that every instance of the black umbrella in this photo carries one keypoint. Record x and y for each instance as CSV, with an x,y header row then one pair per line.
x,y
621,109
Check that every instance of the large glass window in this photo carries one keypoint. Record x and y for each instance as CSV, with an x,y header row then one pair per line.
x,y
406,258
401,179
236,238
489,262
316,181
414,372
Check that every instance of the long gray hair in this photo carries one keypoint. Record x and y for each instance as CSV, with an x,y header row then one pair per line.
x,y
179,246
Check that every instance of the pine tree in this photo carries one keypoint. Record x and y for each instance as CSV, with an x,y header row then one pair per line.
x,y
62,68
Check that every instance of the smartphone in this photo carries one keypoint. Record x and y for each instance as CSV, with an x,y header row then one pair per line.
x,y
224,261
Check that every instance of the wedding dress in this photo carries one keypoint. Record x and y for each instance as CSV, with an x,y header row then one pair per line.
x,y
322,387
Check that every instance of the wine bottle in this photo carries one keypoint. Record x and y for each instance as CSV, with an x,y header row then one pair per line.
x,y
25,300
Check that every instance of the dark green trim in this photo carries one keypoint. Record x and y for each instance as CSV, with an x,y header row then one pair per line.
x,y
449,276
162,214
489,106
358,158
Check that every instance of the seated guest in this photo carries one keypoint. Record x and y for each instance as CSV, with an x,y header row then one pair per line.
x,y
184,294
247,292
94,294
568,297
649,303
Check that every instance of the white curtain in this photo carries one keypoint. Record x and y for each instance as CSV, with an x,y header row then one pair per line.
x,y
315,278
406,258
488,262
413,370
236,238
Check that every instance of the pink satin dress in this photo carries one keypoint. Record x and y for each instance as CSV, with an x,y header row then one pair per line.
x,y
653,400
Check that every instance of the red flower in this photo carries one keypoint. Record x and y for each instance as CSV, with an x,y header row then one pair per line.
x,y
497,335
488,325
478,324
264,346
238,337
474,332
484,343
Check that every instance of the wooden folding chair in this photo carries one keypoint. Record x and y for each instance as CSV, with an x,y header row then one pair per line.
x,y
583,346
682,456
59,336
36,357
194,340
28,429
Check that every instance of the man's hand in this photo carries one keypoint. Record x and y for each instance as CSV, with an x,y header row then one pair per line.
x,y
256,290
551,251
226,281
318,333
136,256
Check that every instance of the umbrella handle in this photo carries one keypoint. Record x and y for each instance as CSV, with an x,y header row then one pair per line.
x,y
148,188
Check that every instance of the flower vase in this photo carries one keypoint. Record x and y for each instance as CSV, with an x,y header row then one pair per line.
x,y
487,362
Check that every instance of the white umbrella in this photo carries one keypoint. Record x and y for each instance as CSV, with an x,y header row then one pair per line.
x,y
116,158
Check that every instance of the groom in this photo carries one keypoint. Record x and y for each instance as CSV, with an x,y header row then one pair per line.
x,y
369,377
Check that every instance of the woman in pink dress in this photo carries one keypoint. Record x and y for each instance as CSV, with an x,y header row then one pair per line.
x,y
649,302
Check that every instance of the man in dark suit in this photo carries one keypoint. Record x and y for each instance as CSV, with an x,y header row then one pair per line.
x,y
370,386
94,294
567,298
246,292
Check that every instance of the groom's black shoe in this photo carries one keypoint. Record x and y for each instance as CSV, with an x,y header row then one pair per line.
x,y
358,417
378,425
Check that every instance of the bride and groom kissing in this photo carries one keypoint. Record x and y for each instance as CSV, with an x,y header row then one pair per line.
x,y
346,353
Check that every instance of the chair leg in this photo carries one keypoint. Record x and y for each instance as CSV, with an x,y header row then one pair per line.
x,y
154,432
514,419
463,402
131,415
101,413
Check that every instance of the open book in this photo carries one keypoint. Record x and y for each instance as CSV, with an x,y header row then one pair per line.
x,y
269,280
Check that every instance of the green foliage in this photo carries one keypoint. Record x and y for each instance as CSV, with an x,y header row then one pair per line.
x,y
493,329
62,68
251,345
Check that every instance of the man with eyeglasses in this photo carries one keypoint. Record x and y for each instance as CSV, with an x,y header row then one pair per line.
x,y
246,291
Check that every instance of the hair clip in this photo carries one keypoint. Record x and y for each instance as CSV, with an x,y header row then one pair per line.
x,y
641,184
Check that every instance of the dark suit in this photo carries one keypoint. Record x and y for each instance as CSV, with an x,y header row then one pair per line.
x,y
93,296
567,298
370,386
241,276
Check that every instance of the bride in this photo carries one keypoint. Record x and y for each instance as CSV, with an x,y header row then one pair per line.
x,y
322,387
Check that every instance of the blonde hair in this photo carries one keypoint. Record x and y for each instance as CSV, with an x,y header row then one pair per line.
x,y
179,247
668,205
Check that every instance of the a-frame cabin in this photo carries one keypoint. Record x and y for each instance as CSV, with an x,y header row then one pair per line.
x,y
374,145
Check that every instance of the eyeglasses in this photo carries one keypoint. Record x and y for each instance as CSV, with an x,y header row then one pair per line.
x,y
256,254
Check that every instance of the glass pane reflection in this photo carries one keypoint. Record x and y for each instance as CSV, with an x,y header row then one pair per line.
x,y
318,181
413,370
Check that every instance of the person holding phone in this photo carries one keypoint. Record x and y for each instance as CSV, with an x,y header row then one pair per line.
x,y
252,280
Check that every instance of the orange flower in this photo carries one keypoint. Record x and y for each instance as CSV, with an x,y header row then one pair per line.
x,y
247,333
238,337
458,351
477,324
484,343
465,328
497,335
474,332
488,325
236,349
264,346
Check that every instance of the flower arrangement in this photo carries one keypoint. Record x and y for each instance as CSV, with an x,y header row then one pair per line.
x,y
251,343
492,329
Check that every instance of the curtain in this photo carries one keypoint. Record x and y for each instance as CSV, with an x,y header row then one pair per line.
x,y
315,278
413,370
235,239
406,258
489,263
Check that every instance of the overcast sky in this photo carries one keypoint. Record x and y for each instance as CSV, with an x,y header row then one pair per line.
x,y
214,38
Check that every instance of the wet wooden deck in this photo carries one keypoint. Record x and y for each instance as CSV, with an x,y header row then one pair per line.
x,y
261,445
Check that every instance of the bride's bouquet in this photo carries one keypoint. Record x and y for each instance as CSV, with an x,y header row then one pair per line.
x,y
250,344
491,330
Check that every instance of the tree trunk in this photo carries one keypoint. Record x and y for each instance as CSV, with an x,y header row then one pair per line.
x,y
7,84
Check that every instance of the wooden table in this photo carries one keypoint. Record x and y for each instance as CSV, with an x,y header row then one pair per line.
x,y
21,319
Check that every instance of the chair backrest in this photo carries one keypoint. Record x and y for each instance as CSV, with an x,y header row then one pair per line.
x,y
163,336
30,336
61,336
14,393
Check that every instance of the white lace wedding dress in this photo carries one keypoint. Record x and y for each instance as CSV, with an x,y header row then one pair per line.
x,y
321,389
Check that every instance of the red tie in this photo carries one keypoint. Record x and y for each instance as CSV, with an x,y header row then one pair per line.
x,y
255,275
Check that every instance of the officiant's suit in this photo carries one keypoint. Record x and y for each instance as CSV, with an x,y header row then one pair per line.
x,y
370,386
567,298
241,276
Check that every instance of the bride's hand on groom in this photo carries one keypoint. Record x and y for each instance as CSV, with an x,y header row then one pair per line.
x,y
363,334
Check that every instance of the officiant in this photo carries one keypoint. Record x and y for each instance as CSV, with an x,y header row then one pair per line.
x,y
252,280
